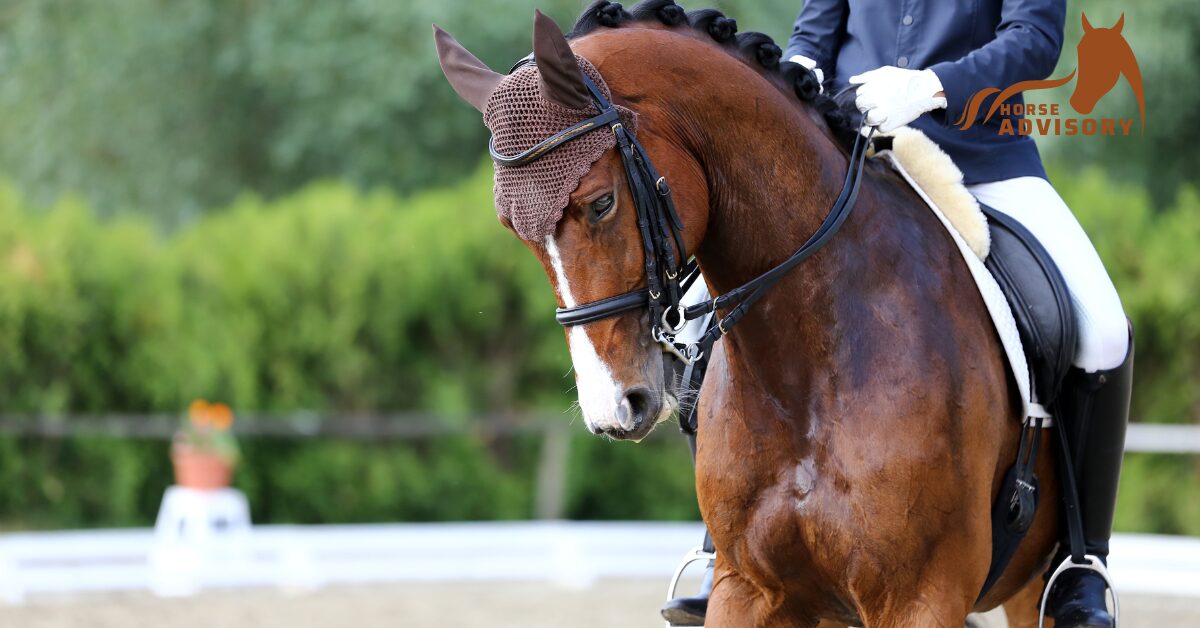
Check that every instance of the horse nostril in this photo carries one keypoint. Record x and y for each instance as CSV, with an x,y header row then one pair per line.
x,y
635,408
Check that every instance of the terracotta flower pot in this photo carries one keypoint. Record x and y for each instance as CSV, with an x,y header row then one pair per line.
x,y
199,469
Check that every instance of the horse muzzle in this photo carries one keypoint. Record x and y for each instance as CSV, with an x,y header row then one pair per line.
x,y
636,412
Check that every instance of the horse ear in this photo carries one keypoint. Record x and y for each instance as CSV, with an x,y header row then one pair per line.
x,y
1087,26
1120,24
561,80
469,76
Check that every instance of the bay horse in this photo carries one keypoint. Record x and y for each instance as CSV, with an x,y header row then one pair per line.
x,y
856,426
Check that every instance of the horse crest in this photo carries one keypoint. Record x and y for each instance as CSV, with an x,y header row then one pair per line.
x,y
1103,57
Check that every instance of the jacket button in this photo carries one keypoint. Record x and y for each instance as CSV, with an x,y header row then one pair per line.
x,y
902,62
907,20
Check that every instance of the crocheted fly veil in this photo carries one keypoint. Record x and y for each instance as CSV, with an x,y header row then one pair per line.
x,y
533,196
529,105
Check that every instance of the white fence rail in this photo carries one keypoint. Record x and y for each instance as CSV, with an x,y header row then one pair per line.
x,y
550,501
569,554
1143,437
1162,438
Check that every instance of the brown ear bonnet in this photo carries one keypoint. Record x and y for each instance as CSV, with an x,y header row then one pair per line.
x,y
533,196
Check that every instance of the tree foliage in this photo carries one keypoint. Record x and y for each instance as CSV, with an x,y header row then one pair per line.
x,y
172,108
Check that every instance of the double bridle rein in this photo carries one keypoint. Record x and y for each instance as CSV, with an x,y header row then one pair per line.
x,y
668,277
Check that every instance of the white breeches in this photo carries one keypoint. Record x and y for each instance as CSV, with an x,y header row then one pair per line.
x,y
1032,201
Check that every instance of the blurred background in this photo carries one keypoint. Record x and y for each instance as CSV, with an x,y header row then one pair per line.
x,y
281,205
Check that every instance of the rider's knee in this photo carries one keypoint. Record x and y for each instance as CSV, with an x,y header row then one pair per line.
x,y
1103,341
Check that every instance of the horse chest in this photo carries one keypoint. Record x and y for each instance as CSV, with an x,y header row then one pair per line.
x,y
774,516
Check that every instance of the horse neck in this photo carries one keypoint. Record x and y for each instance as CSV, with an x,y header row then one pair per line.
x,y
771,184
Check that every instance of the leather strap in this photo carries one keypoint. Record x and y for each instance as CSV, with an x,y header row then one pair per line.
x,y
554,141
753,290
604,308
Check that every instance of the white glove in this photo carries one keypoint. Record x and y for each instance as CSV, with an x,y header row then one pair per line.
x,y
891,97
812,65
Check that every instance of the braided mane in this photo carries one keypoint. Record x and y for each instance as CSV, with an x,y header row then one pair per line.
x,y
753,48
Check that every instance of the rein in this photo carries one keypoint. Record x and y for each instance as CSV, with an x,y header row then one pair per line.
x,y
667,277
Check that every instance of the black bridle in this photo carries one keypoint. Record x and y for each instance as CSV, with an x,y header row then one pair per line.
x,y
668,277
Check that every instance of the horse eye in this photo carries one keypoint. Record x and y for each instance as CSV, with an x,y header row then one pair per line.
x,y
600,207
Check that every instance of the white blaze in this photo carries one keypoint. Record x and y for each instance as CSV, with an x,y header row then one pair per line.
x,y
599,393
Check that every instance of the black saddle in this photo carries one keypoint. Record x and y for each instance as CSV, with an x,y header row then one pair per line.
x,y
1038,297
1041,305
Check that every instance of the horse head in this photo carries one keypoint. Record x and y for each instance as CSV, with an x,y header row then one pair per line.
x,y
1104,56
575,211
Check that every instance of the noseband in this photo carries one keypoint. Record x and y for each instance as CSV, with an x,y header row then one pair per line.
x,y
668,277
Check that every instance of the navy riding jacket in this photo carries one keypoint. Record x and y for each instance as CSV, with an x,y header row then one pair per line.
x,y
969,44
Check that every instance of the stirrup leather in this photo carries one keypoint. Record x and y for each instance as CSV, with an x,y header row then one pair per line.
x,y
1091,563
693,555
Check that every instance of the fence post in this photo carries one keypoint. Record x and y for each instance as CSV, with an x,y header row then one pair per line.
x,y
551,495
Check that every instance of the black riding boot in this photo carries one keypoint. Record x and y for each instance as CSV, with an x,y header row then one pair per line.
x,y
690,611
1095,408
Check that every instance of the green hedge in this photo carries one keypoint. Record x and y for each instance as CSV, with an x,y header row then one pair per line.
x,y
336,301
326,300
96,481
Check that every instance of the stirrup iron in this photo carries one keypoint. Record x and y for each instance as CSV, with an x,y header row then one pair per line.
x,y
1091,563
693,555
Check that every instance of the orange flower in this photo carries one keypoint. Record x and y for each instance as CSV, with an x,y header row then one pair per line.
x,y
221,416
199,413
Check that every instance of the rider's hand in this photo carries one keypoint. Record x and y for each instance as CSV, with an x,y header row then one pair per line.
x,y
891,97
812,65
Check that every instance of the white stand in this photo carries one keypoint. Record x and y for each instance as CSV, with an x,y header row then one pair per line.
x,y
197,532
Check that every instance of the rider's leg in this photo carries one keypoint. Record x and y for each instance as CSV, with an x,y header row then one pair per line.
x,y
691,611
1094,407
1033,202
1094,402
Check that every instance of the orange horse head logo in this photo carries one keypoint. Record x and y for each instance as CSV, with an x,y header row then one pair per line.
x,y
1104,56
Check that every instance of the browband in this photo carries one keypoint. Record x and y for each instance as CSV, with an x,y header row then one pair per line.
x,y
605,117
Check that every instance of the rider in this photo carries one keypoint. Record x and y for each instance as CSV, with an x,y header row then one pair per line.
x,y
917,63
